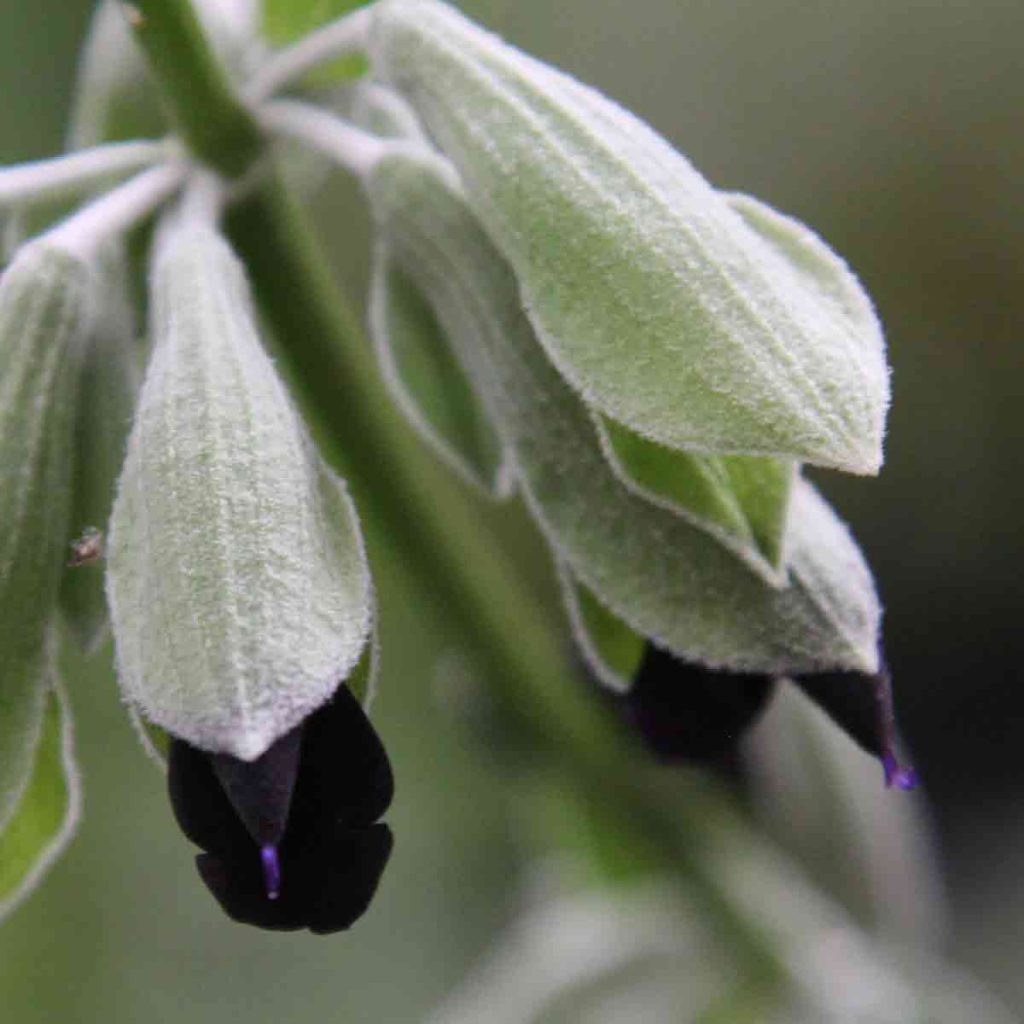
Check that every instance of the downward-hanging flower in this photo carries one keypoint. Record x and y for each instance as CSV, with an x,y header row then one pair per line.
x,y
694,580
241,606
290,838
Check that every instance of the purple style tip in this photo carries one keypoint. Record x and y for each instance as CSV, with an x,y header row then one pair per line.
x,y
901,776
271,871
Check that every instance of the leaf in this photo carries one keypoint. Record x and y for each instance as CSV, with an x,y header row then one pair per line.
x,y
650,294
109,385
46,303
741,500
22,698
821,268
156,742
285,21
362,680
47,812
666,579
763,488
426,381
237,580
612,650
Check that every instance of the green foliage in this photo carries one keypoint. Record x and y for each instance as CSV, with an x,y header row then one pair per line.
x,y
46,813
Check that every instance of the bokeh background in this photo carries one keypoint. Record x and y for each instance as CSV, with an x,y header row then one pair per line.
x,y
895,128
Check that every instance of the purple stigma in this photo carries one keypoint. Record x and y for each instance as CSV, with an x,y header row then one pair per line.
x,y
901,776
271,871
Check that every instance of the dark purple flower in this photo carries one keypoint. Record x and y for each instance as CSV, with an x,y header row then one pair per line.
x,y
290,838
861,705
686,712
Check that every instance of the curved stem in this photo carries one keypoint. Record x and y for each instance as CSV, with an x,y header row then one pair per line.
x,y
77,172
113,213
348,145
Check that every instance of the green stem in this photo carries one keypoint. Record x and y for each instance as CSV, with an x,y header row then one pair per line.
x,y
214,123
463,575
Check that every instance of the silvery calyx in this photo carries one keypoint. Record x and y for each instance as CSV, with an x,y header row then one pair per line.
x,y
563,309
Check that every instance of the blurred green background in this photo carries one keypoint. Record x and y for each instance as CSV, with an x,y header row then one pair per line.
x,y
895,129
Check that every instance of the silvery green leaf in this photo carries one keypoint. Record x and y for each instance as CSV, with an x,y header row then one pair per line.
x,y
362,681
46,814
740,499
426,381
665,578
817,795
654,298
821,268
109,384
238,586
46,306
611,649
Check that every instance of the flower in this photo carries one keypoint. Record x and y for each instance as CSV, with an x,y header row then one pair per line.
x,y
290,838
688,712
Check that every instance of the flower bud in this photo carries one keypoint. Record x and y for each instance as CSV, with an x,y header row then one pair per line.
x,y
46,306
695,323
239,591
665,578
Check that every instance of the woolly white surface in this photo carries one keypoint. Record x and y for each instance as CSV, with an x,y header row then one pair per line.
x,y
662,576
658,301
239,591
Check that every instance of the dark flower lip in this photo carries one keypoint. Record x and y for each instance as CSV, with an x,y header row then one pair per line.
x,y
327,887
861,704
686,712
290,839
